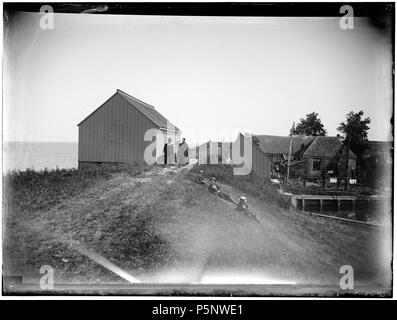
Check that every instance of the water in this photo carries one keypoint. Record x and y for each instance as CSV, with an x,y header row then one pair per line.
x,y
39,155
375,211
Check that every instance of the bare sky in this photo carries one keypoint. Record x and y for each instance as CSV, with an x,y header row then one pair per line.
x,y
202,73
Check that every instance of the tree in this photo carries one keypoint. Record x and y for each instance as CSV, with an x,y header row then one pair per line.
x,y
255,140
311,126
355,136
355,131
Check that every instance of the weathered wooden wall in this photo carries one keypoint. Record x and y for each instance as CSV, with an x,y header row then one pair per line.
x,y
114,133
261,163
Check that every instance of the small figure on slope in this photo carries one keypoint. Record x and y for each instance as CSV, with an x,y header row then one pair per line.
x,y
242,206
214,188
200,178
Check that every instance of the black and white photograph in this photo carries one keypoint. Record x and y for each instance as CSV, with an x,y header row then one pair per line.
x,y
198,149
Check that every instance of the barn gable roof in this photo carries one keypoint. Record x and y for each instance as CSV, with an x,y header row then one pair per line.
x,y
326,147
313,146
146,109
280,144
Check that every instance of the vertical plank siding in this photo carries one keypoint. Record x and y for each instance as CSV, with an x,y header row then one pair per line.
x,y
261,163
114,133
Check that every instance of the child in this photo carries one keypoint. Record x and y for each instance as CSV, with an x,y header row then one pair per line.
x,y
200,178
242,205
212,186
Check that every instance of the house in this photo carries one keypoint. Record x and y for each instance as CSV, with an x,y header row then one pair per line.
x,y
277,147
213,152
379,153
310,155
327,154
377,164
115,132
216,152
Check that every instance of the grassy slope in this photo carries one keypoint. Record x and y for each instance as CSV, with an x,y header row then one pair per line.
x,y
163,227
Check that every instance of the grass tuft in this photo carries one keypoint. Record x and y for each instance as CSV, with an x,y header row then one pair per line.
x,y
40,190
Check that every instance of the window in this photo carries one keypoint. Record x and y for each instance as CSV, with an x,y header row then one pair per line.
x,y
116,134
316,164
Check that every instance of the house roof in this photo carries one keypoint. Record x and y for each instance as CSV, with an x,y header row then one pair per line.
x,y
326,147
149,111
315,146
280,144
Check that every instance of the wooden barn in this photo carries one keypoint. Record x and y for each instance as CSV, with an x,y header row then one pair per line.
x,y
114,132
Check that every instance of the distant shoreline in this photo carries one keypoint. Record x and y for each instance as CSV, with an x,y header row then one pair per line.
x,y
38,156
7,142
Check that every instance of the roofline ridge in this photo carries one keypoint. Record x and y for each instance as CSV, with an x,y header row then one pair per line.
x,y
269,135
132,97
96,110
278,136
124,96
154,122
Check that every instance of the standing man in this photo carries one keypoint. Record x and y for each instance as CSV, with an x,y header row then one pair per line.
x,y
165,151
169,153
183,153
